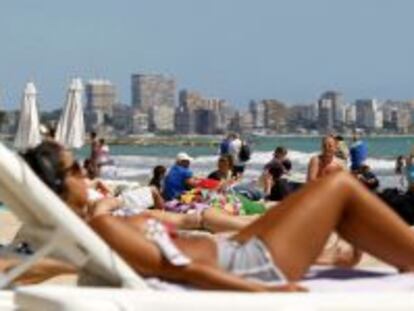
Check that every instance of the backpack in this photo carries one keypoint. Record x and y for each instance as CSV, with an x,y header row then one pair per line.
x,y
244,154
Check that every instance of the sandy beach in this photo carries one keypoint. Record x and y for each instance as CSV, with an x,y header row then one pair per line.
x,y
9,227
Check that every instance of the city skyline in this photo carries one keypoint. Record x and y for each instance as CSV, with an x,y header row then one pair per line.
x,y
235,50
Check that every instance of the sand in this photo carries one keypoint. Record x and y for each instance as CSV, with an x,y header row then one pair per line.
x,y
9,227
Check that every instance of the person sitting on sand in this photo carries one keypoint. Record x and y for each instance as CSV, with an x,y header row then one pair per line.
x,y
368,178
158,175
179,178
224,172
326,162
273,175
257,257
342,150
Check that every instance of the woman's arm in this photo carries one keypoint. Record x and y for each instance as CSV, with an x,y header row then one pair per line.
x,y
313,168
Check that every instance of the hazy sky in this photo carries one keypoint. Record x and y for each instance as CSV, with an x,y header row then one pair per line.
x,y
235,49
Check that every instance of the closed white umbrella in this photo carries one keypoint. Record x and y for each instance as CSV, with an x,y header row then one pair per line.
x,y
28,131
70,130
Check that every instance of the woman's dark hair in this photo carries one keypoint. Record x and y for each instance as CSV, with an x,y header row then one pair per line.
x,y
229,160
158,173
280,150
45,161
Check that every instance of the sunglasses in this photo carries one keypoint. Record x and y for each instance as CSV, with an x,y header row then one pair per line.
x,y
74,169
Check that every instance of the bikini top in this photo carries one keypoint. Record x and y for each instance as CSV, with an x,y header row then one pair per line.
x,y
162,235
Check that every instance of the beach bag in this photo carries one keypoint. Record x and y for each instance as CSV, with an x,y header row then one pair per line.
x,y
399,202
244,154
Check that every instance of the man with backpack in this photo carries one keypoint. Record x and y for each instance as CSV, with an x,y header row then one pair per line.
x,y
240,152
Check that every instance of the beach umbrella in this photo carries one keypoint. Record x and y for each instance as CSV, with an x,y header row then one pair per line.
x,y
70,130
28,131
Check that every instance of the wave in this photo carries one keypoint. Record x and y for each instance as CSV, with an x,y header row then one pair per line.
x,y
131,167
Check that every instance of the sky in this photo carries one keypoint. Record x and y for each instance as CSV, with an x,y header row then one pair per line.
x,y
239,50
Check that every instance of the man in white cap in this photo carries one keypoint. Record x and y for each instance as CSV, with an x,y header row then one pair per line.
x,y
179,178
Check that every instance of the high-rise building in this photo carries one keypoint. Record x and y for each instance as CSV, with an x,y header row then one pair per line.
x,y
258,113
336,101
275,115
205,121
161,118
182,120
100,100
325,116
140,122
350,115
150,91
155,96
398,115
122,118
192,111
100,95
368,114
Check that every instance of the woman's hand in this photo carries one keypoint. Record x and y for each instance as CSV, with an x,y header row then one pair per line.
x,y
103,207
289,287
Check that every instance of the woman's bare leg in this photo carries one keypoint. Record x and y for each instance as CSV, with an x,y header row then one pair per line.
x,y
210,219
297,229
218,221
181,221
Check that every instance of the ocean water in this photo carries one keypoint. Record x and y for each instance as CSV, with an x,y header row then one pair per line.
x,y
135,162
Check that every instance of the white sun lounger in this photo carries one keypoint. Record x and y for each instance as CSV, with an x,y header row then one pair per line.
x,y
61,231
55,229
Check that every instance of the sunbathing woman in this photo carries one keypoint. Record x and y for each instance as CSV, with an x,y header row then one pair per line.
x,y
279,246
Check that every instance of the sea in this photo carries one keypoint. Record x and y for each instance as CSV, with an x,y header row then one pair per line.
x,y
135,162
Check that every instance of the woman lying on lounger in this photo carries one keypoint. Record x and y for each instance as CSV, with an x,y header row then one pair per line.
x,y
279,246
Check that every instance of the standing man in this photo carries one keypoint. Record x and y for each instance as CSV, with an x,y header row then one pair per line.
x,y
93,165
275,168
234,151
225,145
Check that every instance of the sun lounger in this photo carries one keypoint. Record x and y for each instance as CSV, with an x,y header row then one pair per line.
x,y
55,229
58,298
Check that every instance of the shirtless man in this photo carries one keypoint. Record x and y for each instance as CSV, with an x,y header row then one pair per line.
x,y
326,162
319,166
